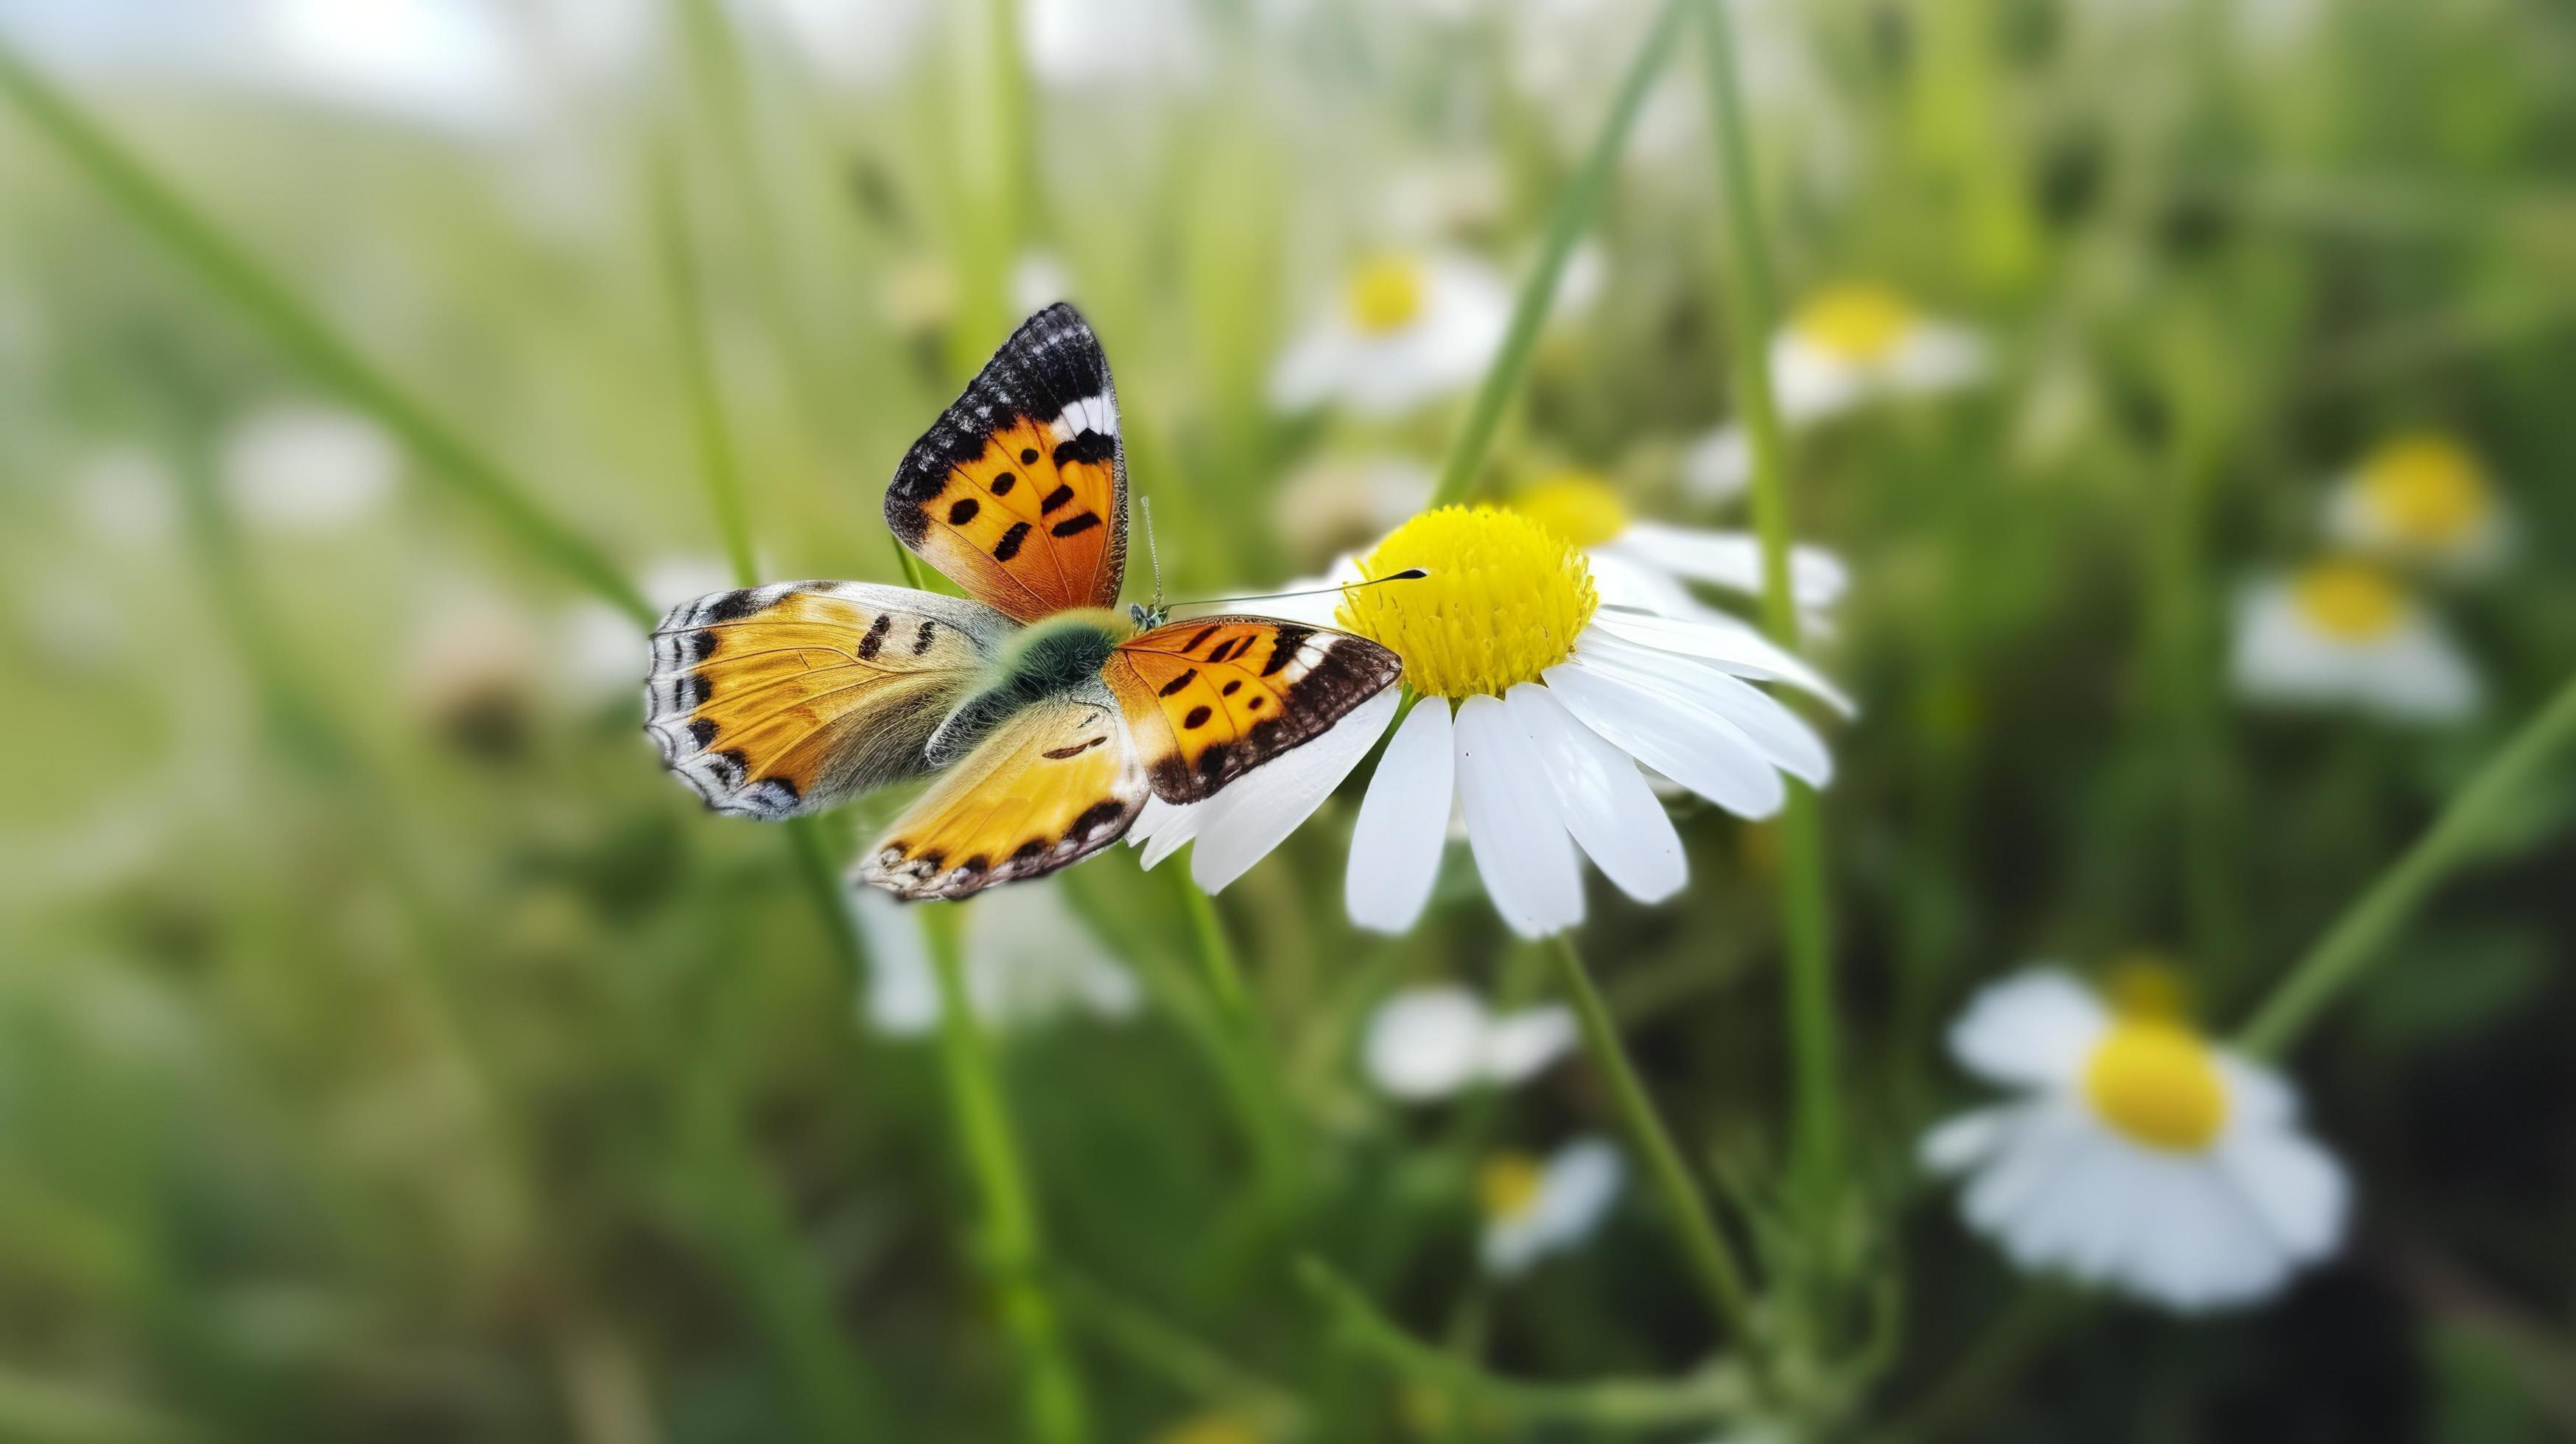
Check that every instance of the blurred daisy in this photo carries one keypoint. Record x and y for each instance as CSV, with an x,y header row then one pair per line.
x,y
1333,504
1649,566
2421,498
1537,705
1431,1043
2345,633
1410,328
2141,1157
308,470
1846,345
1078,43
1028,960
1536,1208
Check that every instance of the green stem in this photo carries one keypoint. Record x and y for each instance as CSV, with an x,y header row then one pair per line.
x,y
1178,1355
297,328
1711,1258
2339,957
994,172
1992,1360
1012,1248
1575,209
1612,1403
1813,1032
1216,952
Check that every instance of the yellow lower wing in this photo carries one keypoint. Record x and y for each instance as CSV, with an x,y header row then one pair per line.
x,y
784,699
1052,785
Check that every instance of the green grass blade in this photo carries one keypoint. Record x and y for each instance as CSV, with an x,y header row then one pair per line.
x,y
295,326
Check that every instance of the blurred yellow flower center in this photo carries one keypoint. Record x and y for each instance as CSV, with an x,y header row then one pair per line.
x,y
1856,322
1386,294
1504,600
2424,489
2348,600
2147,985
1508,1184
2155,1081
1576,505
1210,1429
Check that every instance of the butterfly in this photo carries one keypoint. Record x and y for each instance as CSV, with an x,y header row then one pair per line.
x,y
1043,717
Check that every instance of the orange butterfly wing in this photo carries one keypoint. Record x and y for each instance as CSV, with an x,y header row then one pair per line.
x,y
1019,493
1213,697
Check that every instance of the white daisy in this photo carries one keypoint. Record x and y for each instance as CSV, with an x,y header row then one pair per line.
x,y
308,470
1028,960
1537,705
1424,1044
1650,567
1846,345
2344,633
1534,1209
2420,498
2141,1157
1410,328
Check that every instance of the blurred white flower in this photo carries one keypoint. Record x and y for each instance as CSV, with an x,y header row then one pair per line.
x,y
1028,960
1409,329
1648,566
859,44
2421,498
308,470
2140,1156
125,496
1330,505
603,650
1846,345
446,62
1534,1209
2345,633
1445,200
1075,43
1039,280
473,672
1431,1043
1537,705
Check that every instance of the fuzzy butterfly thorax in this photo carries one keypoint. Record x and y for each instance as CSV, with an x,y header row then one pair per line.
x,y
1043,718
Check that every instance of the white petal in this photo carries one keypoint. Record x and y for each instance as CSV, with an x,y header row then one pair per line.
x,y
2292,1185
1163,827
1958,1144
1606,804
1687,743
902,996
2034,1027
1580,1184
1785,740
1733,559
1719,464
1425,1043
1403,823
1809,383
1937,357
1521,1045
1256,812
1520,843
1734,646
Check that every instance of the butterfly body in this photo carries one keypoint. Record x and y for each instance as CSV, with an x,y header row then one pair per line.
x,y
1043,717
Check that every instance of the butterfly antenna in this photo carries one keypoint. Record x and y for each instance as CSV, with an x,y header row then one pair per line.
x,y
1409,574
1153,554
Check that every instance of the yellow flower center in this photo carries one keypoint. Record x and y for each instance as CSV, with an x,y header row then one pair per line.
x,y
1856,322
1504,600
1576,505
1386,294
2349,600
1210,1429
2154,1080
2424,489
1508,1184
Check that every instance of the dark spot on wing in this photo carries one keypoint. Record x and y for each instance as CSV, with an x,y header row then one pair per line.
x,y
1183,680
964,511
1054,499
1255,704
1203,634
1059,754
1028,456
1197,718
875,639
1009,546
733,606
1076,525
1003,483
702,731
1284,647
1233,686
1030,850
1212,762
702,645
921,639
1090,446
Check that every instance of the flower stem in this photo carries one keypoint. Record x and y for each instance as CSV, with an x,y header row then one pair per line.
x,y
1813,1034
1605,1403
1011,1245
1575,209
2339,957
302,332
1216,952
1711,1258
